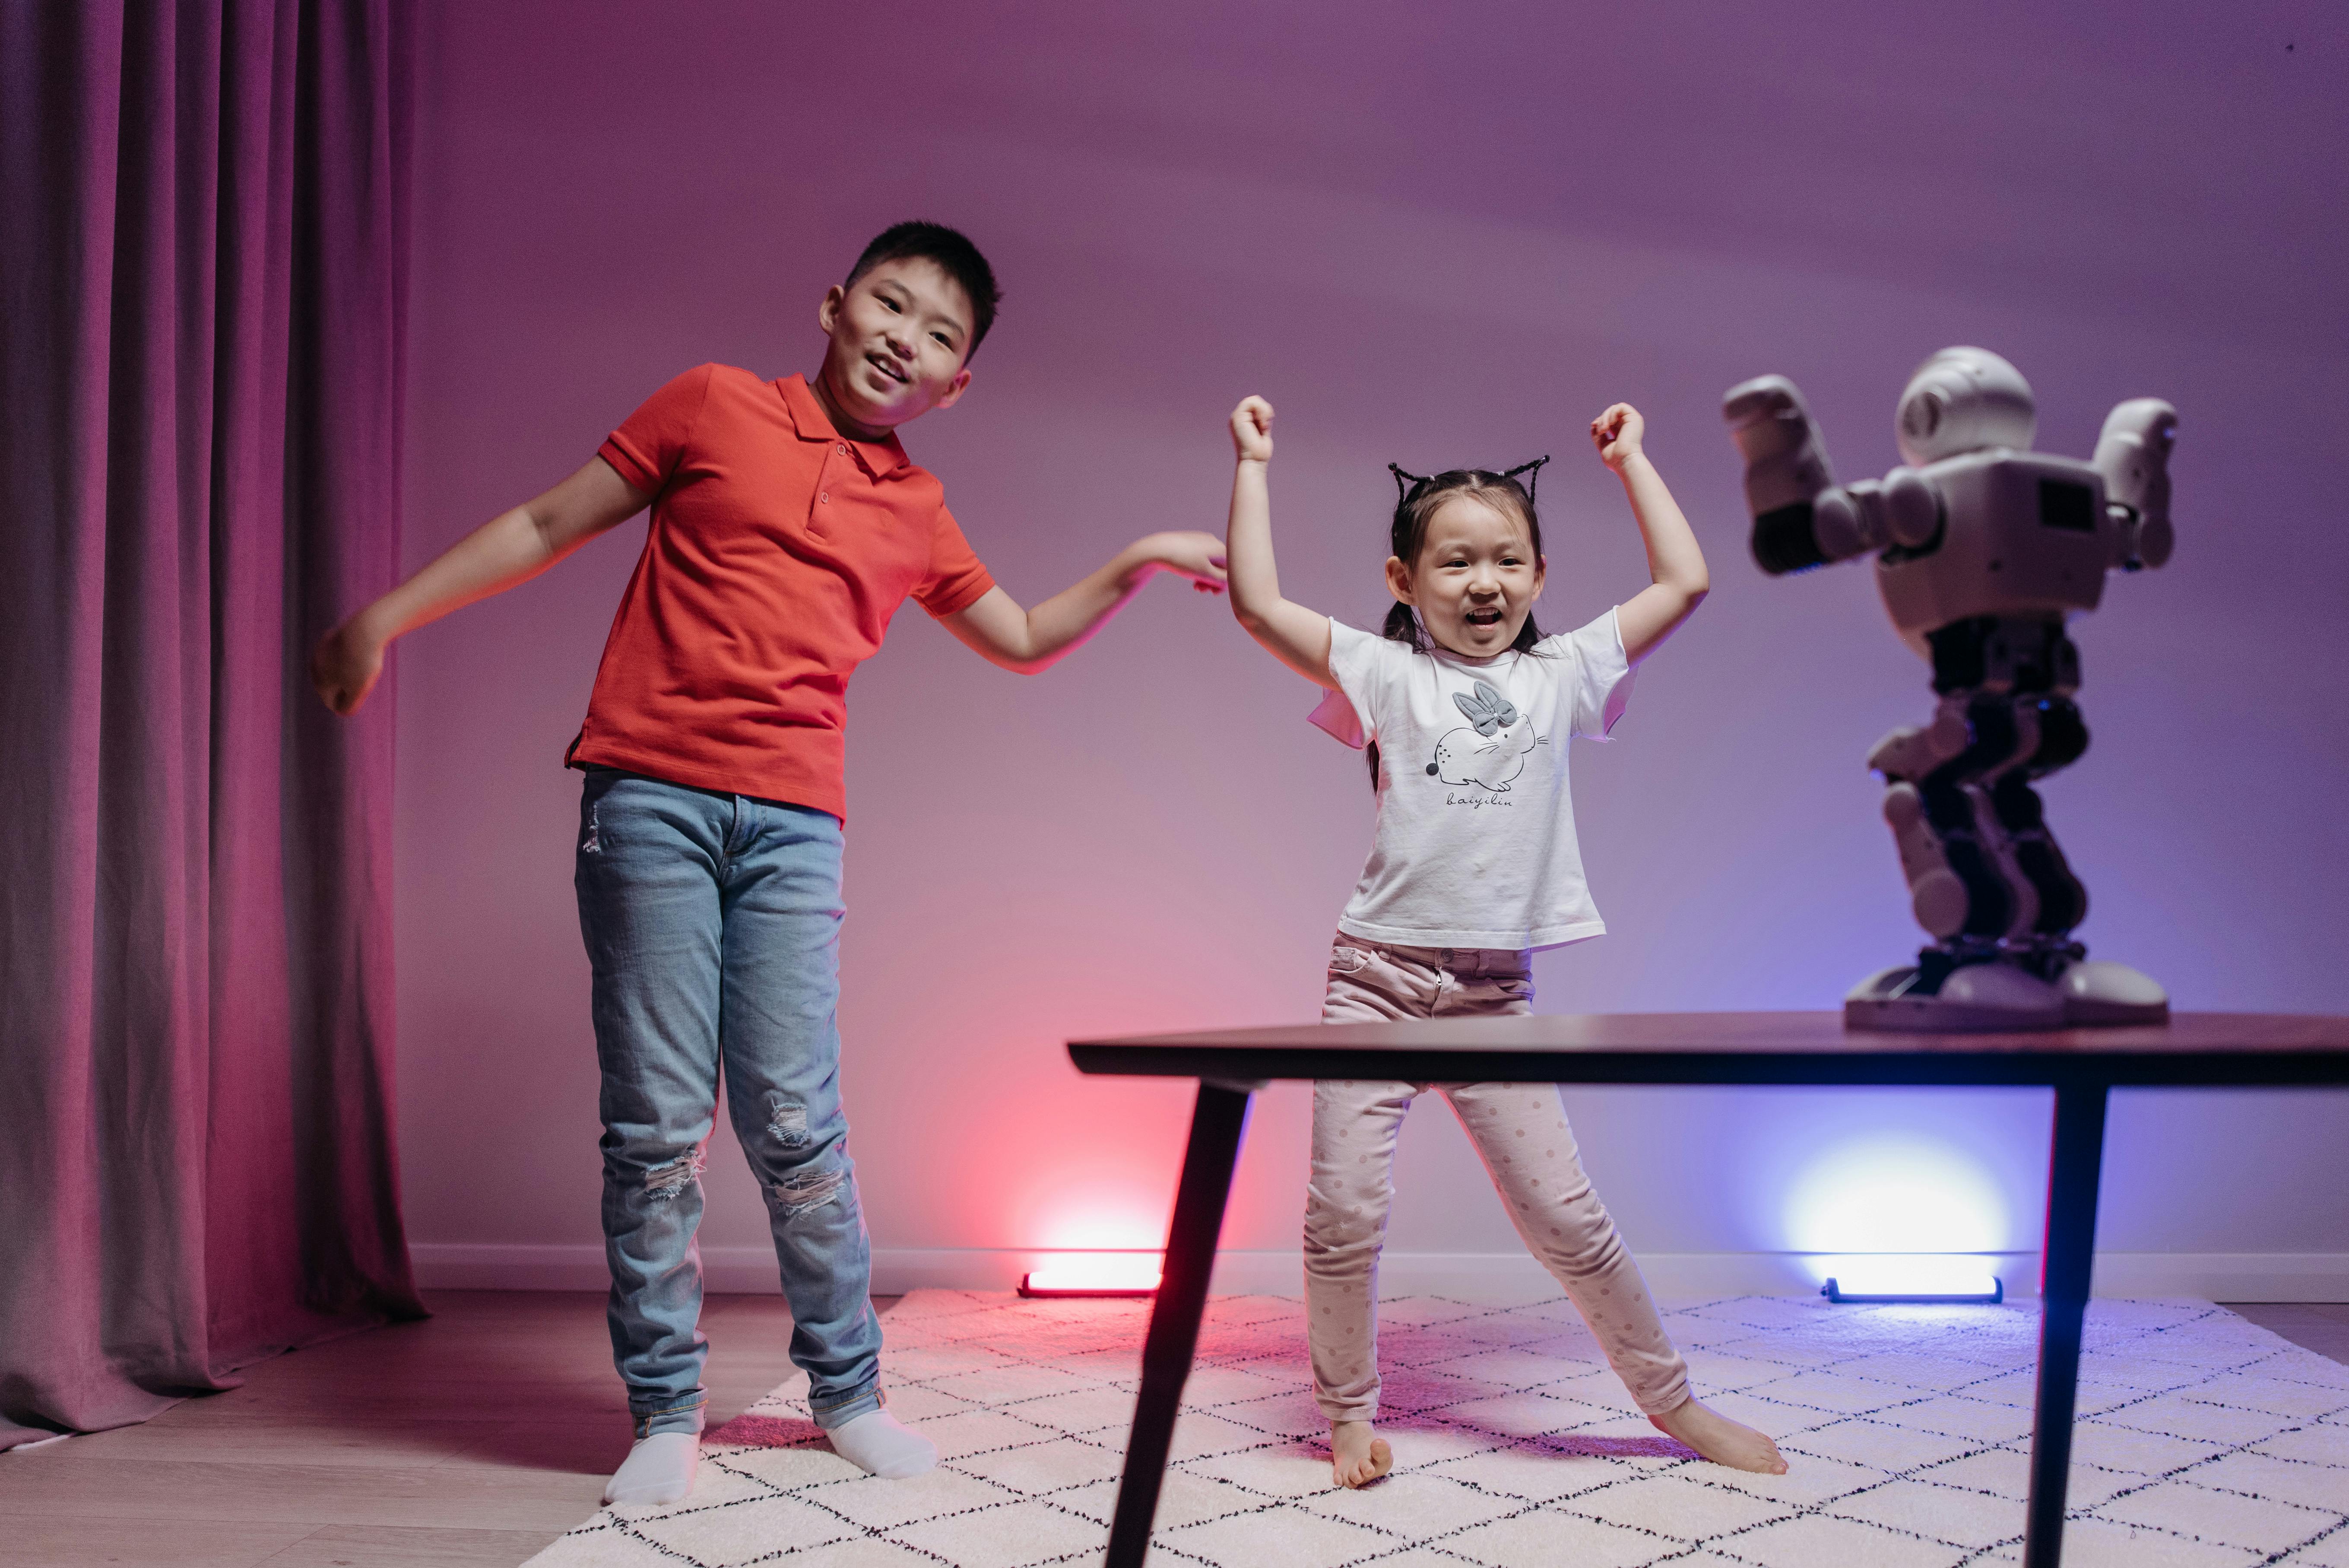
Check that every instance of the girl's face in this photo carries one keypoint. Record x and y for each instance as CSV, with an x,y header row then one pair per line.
x,y
1475,580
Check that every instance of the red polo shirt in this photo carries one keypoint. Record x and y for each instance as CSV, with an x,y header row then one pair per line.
x,y
777,550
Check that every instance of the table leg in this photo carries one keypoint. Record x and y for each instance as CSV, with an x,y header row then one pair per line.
x,y
1216,1124
2074,1163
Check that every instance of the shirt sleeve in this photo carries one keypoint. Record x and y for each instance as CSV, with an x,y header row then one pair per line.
x,y
1599,685
645,450
1350,714
955,580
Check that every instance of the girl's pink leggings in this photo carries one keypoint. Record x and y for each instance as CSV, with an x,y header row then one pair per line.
x,y
1521,1131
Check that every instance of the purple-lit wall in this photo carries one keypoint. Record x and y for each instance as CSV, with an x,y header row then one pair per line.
x,y
1435,238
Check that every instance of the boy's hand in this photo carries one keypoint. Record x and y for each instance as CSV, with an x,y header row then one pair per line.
x,y
1615,433
1252,431
344,667
1198,556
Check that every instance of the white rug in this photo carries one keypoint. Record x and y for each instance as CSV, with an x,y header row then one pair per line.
x,y
2205,1440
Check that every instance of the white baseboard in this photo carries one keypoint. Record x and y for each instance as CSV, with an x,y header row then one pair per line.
x,y
1677,1277
2225,1277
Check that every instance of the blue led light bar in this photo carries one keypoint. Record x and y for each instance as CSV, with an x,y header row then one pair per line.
x,y
1943,1281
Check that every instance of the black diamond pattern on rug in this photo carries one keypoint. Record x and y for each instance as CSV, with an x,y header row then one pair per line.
x,y
2204,1440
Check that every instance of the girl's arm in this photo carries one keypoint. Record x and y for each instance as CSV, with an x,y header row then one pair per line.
x,y
1297,636
1000,631
511,547
1679,581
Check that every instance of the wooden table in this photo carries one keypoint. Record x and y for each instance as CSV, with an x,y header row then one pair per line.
x,y
2082,1066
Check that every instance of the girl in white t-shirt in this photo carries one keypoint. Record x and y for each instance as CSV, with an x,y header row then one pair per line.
x,y
1466,709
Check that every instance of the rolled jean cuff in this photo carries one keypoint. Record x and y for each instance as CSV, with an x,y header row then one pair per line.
x,y
845,1408
685,1417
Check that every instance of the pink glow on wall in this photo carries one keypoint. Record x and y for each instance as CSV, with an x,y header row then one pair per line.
x,y
1093,1221
1429,235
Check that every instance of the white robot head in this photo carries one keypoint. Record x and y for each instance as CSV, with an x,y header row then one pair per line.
x,y
1963,400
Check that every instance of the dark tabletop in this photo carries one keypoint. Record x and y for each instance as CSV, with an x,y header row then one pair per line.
x,y
2236,1048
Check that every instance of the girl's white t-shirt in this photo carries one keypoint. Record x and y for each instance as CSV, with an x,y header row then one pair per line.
x,y
1474,845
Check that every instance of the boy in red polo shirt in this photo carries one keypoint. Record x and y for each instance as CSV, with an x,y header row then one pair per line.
x,y
787,525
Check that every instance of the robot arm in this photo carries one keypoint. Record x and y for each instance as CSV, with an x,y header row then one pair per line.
x,y
2133,456
1802,518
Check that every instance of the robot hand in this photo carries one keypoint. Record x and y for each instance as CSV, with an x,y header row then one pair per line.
x,y
2133,456
1802,518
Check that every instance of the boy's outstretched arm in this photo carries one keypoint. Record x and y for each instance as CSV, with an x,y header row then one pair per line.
x,y
1297,636
511,547
997,629
1675,566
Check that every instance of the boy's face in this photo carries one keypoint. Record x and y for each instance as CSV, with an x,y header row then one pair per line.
x,y
1475,580
899,336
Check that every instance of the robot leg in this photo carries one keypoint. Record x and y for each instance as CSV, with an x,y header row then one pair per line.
x,y
1999,899
1937,892
2063,902
1964,886
2094,991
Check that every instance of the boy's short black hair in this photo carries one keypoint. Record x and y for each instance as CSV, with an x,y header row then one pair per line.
x,y
951,251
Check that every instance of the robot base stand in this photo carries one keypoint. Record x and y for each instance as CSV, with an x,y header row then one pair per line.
x,y
1981,998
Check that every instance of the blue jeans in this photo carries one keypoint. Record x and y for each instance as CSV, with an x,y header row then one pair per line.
x,y
712,924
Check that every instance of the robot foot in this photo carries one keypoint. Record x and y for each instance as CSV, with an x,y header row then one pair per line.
x,y
1979,998
2098,993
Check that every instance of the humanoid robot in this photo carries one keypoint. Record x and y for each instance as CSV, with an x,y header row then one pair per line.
x,y
1982,548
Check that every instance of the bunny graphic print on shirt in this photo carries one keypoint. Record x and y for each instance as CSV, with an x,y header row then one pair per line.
x,y
1492,749
1474,845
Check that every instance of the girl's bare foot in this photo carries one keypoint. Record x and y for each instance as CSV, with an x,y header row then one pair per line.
x,y
1717,1438
1359,1458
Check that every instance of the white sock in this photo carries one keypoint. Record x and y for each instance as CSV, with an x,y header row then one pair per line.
x,y
878,1444
659,1469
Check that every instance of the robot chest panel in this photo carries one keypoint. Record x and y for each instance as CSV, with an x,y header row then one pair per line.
x,y
2022,533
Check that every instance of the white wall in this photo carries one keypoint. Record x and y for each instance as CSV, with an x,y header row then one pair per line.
x,y
1435,237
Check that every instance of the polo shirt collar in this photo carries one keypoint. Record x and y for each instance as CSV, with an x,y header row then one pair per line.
x,y
808,417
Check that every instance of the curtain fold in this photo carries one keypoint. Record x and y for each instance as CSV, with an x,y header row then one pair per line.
x,y
202,285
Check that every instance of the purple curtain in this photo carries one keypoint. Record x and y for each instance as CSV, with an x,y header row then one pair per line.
x,y
202,283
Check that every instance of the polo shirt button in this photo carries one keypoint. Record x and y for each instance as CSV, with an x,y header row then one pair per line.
x,y
843,451
826,496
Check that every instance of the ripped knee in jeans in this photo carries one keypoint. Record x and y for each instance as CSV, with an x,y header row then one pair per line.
x,y
787,1123
807,1191
667,1180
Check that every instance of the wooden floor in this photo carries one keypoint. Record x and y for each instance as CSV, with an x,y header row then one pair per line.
x,y
475,1438
2321,1325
